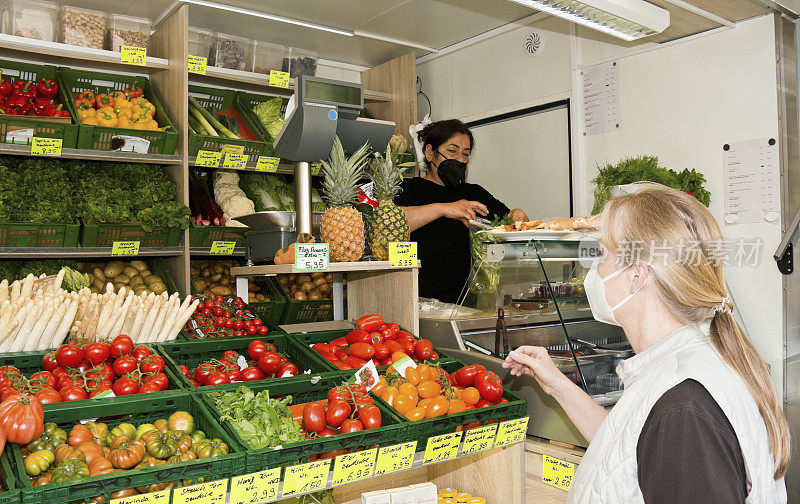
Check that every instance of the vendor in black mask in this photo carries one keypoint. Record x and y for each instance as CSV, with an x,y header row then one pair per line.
x,y
440,204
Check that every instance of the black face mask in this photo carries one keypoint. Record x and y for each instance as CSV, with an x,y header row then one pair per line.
x,y
452,171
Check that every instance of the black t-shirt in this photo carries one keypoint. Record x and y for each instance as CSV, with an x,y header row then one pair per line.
x,y
688,451
443,245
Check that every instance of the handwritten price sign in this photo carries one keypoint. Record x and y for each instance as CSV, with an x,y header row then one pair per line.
x,y
256,488
279,79
235,161
125,248
161,497
402,254
133,55
222,247
205,493
557,472
480,439
395,458
311,257
306,478
197,64
268,164
354,467
442,448
46,146
511,431
208,158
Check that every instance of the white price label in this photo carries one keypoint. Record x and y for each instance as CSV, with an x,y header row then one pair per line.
x,y
311,256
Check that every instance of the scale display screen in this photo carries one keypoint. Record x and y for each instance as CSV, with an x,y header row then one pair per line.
x,y
333,93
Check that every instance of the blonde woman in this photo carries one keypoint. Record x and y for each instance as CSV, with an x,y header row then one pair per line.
x,y
699,420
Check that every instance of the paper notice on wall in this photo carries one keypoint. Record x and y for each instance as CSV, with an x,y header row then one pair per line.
x,y
752,190
600,85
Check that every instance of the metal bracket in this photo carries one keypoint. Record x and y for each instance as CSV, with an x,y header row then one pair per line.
x,y
786,261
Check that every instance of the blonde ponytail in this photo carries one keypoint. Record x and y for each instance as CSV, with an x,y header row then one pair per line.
x,y
658,216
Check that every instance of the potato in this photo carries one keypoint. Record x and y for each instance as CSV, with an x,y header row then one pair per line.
x,y
314,295
299,296
94,289
145,273
319,281
151,279
325,289
137,279
217,268
225,281
98,273
118,286
200,284
307,287
329,277
221,291
206,272
98,284
130,271
193,271
122,278
283,280
216,277
301,279
139,289
317,274
158,287
139,265
91,277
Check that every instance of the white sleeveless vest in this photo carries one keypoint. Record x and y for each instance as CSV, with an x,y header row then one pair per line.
x,y
608,471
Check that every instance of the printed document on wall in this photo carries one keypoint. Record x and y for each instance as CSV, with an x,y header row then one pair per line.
x,y
752,190
600,98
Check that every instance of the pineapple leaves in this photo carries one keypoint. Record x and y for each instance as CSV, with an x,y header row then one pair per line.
x,y
387,175
342,175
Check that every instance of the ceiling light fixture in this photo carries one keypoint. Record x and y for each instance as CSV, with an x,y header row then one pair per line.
x,y
625,19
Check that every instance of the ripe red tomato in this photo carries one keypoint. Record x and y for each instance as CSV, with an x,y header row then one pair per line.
x,y
206,312
393,346
125,386
228,323
393,327
354,362
210,304
340,343
423,349
106,371
482,404
252,373
251,329
203,371
218,378
219,322
314,417
160,379
337,412
21,418
465,376
262,330
152,364
408,346
49,361
46,378
48,396
148,388
489,385
257,322
238,324
357,336
106,385
351,425
218,311
121,345
234,375
370,417
326,432
269,363
361,350
124,365
140,352
381,351
69,356
185,370
323,348
73,394
370,323
287,370
96,353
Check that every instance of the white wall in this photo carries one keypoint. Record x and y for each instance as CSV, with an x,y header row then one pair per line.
x,y
680,101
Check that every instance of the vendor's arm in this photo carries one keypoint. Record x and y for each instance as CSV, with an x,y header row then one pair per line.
x,y
518,215
462,210
586,414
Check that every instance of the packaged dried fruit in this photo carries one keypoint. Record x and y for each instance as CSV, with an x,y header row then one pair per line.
x,y
229,51
127,31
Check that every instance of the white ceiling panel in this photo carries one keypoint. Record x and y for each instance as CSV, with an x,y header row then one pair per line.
x,y
359,51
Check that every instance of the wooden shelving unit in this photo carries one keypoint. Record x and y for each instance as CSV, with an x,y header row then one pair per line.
x,y
206,251
95,155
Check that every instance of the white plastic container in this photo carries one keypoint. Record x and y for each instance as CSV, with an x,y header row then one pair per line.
x,y
267,57
200,41
82,27
230,51
299,62
127,31
35,19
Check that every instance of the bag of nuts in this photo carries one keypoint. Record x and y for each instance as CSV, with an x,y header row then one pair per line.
x,y
82,27
127,31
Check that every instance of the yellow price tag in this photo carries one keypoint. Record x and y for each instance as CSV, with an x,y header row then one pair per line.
x,y
222,247
315,168
395,458
306,478
46,146
557,472
125,248
235,161
279,79
208,158
204,493
256,488
232,149
442,448
268,164
133,55
511,431
479,439
354,467
161,497
197,64
402,254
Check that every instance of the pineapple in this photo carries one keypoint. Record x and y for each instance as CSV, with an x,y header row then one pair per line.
x,y
389,223
342,226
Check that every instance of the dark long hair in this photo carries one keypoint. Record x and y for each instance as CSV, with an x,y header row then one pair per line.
x,y
438,133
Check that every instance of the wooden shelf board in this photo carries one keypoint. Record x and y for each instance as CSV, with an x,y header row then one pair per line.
x,y
55,49
283,168
334,267
79,252
95,155
259,79
206,251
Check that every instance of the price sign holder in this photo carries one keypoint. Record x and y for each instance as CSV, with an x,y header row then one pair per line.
x,y
204,493
268,164
133,55
395,458
197,64
511,431
479,439
402,254
352,467
125,248
256,488
311,257
222,247
208,158
306,478
46,146
442,448
279,79
161,497
557,472
235,161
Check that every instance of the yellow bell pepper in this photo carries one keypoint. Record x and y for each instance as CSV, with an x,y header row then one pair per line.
x,y
91,121
105,118
123,122
118,95
137,125
109,110
151,125
125,112
85,113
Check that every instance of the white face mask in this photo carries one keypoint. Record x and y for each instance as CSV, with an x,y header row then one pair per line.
x,y
596,294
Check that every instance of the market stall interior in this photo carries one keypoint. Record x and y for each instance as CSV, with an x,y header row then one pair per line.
x,y
207,290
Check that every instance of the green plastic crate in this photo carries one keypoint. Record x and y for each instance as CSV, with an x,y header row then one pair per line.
x,y
137,410
271,311
31,362
213,99
421,430
248,101
9,494
104,234
193,353
392,430
22,234
68,133
157,266
163,141
205,236
310,338
271,325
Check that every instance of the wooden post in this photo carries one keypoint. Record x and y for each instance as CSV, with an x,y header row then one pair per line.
x,y
399,78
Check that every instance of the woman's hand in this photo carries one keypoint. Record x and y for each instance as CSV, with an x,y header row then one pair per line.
x,y
536,361
464,210
518,215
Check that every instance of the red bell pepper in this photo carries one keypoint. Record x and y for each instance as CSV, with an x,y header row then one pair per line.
x,y
28,109
41,103
18,85
134,92
16,102
47,88
52,110
63,113
5,88
28,91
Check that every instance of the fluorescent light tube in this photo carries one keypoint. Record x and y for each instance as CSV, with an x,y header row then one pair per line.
x,y
625,19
